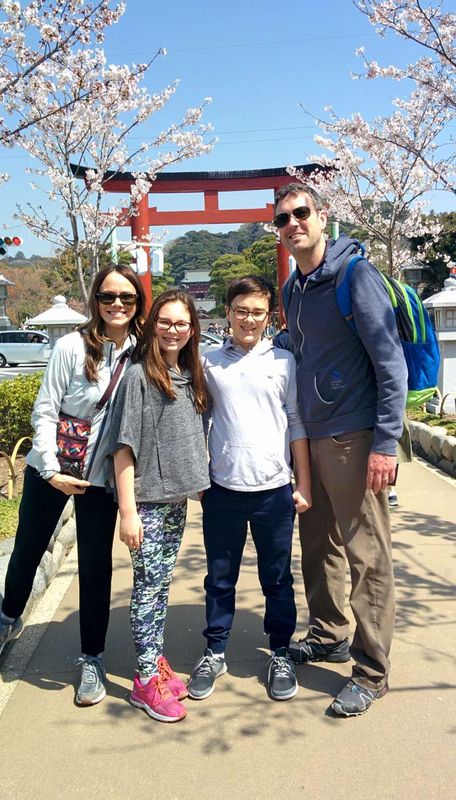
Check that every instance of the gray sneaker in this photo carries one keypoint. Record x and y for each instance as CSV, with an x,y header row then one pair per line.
x,y
282,683
9,631
91,689
306,650
205,672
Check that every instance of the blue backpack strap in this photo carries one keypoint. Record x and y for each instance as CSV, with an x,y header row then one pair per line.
x,y
287,291
343,289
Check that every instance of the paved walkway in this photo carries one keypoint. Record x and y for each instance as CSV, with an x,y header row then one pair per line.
x,y
238,743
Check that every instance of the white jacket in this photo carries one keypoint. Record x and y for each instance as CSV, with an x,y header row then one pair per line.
x,y
65,388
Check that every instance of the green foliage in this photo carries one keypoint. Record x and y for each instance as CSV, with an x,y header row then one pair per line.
x,y
263,255
8,518
16,402
435,269
200,249
226,269
164,282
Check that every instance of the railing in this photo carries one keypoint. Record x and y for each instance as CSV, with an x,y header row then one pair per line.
x,y
11,461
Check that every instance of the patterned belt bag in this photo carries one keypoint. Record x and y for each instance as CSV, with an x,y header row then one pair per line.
x,y
73,433
72,440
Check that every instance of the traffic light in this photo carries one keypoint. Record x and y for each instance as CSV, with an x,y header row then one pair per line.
x,y
7,241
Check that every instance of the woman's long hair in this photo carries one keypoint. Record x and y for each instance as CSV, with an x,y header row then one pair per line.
x,y
93,329
148,352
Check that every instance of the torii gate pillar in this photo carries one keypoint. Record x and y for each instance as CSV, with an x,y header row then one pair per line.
x,y
140,231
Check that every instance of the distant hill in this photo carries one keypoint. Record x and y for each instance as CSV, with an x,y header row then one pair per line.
x,y
199,249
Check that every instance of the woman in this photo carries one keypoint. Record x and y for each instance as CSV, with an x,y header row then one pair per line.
x,y
159,460
79,371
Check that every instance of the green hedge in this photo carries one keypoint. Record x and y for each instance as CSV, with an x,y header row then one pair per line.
x,y
16,402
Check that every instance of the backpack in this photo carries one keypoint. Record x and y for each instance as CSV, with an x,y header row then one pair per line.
x,y
414,326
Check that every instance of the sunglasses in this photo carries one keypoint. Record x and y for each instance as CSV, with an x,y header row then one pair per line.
x,y
108,298
301,212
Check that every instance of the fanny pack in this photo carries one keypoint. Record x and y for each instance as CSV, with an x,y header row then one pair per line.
x,y
73,432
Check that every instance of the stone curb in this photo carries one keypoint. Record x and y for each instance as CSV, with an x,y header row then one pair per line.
x,y
61,542
435,445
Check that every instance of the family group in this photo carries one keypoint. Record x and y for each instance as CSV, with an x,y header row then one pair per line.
x,y
306,424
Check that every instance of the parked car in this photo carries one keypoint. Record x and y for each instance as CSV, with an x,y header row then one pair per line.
x,y
23,347
209,341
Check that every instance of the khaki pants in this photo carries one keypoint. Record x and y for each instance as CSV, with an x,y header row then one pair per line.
x,y
348,521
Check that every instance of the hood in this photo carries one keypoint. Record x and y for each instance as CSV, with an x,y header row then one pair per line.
x,y
336,252
180,379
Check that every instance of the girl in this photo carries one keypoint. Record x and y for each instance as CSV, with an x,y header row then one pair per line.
x,y
159,459
79,371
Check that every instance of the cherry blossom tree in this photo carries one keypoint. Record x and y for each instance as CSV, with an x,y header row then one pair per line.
x,y
432,30
36,41
374,184
101,107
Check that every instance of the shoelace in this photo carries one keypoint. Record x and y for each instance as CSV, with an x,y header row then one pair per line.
x,y
163,689
164,670
89,668
281,666
205,666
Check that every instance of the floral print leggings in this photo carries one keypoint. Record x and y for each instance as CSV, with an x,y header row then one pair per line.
x,y
153,565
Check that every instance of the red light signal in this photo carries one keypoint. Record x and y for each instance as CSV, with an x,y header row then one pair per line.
x,y
6,241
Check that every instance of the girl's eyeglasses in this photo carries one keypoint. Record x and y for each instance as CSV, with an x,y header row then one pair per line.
x,y
301,212
180,327
108,298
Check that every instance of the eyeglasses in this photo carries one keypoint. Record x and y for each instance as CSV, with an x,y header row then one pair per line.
x,y
108,298
182,326
242,313
301,212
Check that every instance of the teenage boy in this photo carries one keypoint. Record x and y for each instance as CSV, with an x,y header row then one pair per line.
x,y
255,420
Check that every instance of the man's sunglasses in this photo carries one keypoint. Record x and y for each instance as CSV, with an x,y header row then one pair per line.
x,y
108,298
282,219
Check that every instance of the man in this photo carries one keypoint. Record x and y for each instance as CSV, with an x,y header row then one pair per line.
x,y
351,392
254,413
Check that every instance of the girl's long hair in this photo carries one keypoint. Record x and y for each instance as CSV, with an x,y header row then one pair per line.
x,y
93,329
148,352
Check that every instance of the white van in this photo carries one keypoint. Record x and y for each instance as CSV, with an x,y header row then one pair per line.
x,y
23,347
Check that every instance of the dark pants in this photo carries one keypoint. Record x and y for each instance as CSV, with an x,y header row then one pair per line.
x,y
40,509
271,515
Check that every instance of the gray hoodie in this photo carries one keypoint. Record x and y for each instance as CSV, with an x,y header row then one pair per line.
x,y
166,437
347,382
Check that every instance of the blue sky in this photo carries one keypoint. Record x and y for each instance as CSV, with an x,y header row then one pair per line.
x,y
258,60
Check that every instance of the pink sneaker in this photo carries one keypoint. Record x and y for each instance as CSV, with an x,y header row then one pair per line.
x,y
167,674
156,700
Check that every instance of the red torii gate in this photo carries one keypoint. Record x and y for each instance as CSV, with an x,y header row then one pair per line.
x,y
209,184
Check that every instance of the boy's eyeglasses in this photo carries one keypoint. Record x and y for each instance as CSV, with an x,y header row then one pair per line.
x,y
108,298
180,327
282,219
243,313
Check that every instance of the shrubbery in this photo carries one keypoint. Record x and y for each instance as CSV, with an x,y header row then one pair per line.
x,y
16,402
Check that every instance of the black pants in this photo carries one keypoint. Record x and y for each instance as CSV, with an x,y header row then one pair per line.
x,y
39,511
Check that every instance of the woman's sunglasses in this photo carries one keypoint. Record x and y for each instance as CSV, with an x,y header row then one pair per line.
x,y
301,212
108,298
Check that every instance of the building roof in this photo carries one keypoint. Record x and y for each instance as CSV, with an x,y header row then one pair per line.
x,y
58,314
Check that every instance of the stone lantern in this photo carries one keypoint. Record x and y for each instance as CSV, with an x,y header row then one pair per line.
x,y
4,283
59,319
442,309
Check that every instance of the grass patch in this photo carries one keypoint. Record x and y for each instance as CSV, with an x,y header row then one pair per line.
x,y
433,419
8,517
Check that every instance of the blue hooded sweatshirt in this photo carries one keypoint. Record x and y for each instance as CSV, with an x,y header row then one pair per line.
x,y
347,381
